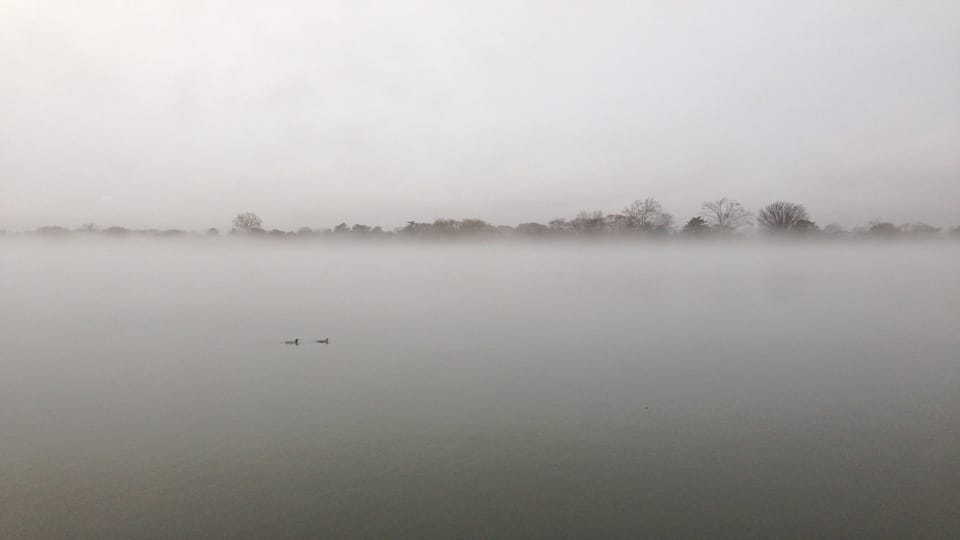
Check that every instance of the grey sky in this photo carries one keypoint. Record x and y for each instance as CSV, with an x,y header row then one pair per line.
x,y
182,113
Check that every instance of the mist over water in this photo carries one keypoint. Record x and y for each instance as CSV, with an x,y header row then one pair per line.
x,y
488,390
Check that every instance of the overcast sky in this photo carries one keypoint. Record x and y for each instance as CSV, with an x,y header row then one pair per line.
x,y
183,113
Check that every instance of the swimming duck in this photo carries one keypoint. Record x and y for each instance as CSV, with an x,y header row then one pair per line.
x,y
325,341
292,342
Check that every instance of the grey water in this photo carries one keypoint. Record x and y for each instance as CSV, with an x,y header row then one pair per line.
x,y
481,391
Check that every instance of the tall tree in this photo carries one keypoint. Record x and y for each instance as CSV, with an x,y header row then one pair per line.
x,y
247,222
647,215
783,216
726,214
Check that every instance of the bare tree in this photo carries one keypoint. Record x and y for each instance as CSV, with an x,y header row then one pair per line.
x,y
783,216
726,214
647,215
617,223
663,223
642,213
247,222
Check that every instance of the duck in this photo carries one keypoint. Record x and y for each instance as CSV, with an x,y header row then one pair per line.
x,y
325,341
292,342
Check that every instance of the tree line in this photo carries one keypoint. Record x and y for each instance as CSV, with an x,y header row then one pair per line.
x,y
724,217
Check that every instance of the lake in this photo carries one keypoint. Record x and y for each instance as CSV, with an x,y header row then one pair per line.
x,y
478,390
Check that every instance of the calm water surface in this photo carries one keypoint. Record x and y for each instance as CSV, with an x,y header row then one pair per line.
x,y
478,391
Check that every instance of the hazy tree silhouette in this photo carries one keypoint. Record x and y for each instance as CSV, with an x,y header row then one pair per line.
x,y
445,226
617,223
647,215
589,222
52,230
664,223
726,214
884,229
560,225
806,226
476,226
247,222
919,229
697,226
416,228
782,216
532,229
